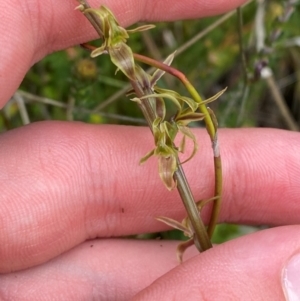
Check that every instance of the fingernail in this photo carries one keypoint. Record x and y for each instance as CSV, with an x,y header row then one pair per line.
x,y
291,279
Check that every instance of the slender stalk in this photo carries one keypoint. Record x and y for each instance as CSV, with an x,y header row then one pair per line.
x,y
192,210
28,97
245,91
22,108
211,127
241,44
201,235
267,74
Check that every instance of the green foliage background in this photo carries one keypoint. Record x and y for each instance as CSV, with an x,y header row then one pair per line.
x,y
68,85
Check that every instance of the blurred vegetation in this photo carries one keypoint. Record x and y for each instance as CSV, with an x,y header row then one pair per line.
x,y
68,85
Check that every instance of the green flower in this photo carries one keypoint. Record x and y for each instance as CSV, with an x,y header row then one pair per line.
x,y
164,131
164,134
114,40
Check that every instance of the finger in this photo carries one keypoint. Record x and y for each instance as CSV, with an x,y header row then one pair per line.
x,y
31,29
249,268
62,183
96,270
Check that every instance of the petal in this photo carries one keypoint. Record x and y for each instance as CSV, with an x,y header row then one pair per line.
x,y
188,133
185,117
170,129
165,95
213,118
179,98
141,28
147,156
181,147
160,108
167,167
190,102
136,99
99,51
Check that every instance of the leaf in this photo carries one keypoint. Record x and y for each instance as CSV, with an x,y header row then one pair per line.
x,y
121,55
182,247
142,77
213,98
213,118
158,72
175,224
200,204
168,61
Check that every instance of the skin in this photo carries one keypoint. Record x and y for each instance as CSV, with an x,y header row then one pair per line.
x,y
65,184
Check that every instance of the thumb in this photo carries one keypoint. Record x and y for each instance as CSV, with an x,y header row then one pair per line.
x,y
261,266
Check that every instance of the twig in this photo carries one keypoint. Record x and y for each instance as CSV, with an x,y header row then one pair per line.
x,y
22,108
260,32
267,74
48,101
201,235
70,108
246,82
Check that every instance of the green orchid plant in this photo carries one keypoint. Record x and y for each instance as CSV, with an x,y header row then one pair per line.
x,y
151,100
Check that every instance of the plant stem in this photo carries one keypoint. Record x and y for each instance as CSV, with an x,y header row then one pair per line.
x,y
93,20
267,74
211,127
201,235
192,210
246,83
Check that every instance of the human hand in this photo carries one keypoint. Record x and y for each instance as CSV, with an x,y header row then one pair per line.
x,y
62,184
